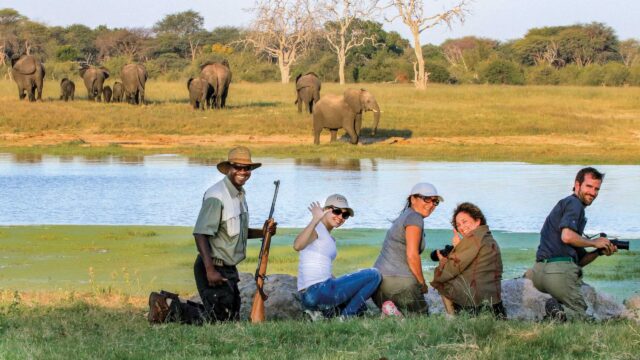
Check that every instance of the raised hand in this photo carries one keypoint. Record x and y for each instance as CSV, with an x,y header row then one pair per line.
x,y
455,240
317,212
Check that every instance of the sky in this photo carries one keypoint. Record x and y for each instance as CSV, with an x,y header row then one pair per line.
x,y
496,19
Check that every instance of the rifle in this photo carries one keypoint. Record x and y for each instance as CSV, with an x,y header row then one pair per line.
x,y
257,309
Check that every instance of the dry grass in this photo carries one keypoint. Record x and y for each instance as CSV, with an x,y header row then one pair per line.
x,y
460,123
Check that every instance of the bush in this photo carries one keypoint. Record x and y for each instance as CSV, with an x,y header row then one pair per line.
x,y
58,70
437,73
570,74
592,75
384,68
615,74
501,72
67,53
634,75
542,75
114,65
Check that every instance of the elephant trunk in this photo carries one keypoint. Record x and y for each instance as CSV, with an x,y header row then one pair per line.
x,y
376,119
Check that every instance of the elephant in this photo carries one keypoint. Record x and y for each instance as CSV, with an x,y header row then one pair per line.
x,y
118,92
307,90
334,112
67,89
94,78
28,73
200,93
134,77
218,75
107,92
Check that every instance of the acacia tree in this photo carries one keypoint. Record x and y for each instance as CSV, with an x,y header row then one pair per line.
x,y
187,26
9,19
412,14
339,16
283,30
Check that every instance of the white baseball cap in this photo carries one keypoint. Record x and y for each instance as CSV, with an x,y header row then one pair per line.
x,y
338,201
426,189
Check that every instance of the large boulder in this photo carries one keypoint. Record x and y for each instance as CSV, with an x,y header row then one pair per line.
x,y
520,298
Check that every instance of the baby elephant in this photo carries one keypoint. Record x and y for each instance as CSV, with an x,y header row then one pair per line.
x,y
67,89
200,93
118,92
107,92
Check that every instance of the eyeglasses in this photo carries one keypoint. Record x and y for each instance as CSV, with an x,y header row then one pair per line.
x,y
337,212
429,199
239,167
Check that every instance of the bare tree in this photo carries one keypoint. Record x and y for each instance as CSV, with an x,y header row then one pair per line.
x,y
339,17
629,51
283,30
412,14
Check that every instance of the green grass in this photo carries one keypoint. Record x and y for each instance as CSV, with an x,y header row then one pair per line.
x,y
536,124
75,329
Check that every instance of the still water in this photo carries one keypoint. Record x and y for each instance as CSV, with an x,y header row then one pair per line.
x,y
167,190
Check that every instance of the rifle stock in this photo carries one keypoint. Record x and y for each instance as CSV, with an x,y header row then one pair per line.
x,y
257,309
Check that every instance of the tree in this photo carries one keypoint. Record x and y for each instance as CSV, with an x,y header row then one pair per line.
x,y
129,43
340,15
9,18
187,26
630,52
281,29
412,14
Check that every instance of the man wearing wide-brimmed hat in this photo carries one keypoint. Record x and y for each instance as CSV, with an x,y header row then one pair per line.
x,y
221,234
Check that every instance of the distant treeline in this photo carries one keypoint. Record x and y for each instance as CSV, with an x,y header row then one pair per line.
x,y
582,54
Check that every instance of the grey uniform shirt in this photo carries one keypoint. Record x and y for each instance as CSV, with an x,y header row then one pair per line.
x,y
392,260
568,213
230,249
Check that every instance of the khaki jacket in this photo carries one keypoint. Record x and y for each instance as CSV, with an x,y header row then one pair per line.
x,y
472,273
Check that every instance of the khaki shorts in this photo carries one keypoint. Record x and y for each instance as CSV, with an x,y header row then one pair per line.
x,y
404,292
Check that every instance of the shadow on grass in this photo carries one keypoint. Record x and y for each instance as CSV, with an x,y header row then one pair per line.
x,y
382,135
257,104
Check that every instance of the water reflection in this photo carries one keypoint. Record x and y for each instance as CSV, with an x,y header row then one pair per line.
x,y
167,189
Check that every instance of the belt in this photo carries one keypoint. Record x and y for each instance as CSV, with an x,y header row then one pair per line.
x,y
557,259
217,262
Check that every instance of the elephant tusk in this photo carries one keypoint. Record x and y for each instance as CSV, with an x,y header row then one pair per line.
x,y
379,111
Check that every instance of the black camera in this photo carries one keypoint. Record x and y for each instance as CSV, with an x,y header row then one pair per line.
x,y
621,245
445,252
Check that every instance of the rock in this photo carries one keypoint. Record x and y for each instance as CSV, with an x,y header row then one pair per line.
x,y
520,298
633,306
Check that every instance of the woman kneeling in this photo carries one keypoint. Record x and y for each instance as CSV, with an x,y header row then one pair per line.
x,y
469,277
319,290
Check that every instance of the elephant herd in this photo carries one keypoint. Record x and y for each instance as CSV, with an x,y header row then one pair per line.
x,y
209,90
334,112
28,73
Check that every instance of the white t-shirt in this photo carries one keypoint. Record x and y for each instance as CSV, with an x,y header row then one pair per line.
x,y
316,260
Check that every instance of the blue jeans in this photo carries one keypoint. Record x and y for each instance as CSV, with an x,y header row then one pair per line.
x,y
348,292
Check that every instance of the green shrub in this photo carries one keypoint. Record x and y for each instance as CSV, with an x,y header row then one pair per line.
x,y
634,75
67,53
592,75
542,75
58,70
570,74
615,74
437,72
501,72
115,64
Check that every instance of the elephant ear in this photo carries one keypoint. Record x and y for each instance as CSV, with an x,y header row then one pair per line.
x,y
25,65
352,98
189,83
105,71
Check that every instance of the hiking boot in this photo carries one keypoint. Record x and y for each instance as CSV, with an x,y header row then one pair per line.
x,y
314,315
554,311
158,308
390,309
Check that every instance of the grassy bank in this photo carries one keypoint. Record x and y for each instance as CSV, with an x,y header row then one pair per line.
x,y
73,329
453,123
134,260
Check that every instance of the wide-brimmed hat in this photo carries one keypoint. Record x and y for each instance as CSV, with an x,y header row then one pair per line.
x,y
240,155
426,189
338,201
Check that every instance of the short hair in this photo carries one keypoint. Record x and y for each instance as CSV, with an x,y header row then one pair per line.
x,y
472,210
597,175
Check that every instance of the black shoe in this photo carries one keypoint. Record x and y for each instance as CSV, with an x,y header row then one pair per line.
x,y
158,308
554,311
170,295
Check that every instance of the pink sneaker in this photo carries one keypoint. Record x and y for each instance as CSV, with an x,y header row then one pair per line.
x,y
390,309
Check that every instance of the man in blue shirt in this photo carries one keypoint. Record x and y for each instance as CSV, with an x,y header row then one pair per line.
x,y
562,255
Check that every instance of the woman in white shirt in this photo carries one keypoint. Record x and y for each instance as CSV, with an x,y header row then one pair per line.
x,y
319,289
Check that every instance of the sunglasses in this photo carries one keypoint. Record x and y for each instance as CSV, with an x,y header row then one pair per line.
x,y
429,199
239,167
337,211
